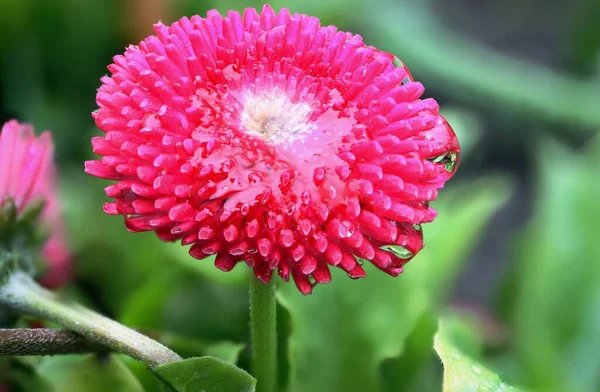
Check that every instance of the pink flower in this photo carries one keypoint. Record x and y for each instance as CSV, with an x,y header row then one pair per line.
x,y
270,139
27,176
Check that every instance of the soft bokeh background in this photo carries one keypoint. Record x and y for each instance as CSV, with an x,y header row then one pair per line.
x,y
513,261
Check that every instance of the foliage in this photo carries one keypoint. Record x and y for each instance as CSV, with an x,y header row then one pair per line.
x,y
85,373
462,373
205,374
556,313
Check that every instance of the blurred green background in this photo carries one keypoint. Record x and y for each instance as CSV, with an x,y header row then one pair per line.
x,y
512,263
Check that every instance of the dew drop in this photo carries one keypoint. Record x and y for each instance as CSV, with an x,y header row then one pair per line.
x,y
449,160
399,251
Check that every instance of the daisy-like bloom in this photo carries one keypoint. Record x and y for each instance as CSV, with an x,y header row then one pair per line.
x,y
27,176
270,139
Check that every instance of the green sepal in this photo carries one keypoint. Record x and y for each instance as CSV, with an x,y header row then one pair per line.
x,y
20,238
31,214
8,212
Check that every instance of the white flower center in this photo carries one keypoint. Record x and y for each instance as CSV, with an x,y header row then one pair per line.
x,y
273,117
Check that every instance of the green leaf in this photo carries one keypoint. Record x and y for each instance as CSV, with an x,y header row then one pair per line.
x,y
344,331
88,373
226,351
556,295
462,373
205,374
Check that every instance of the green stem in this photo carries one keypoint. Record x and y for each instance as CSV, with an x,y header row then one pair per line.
x,y
20,292
263,325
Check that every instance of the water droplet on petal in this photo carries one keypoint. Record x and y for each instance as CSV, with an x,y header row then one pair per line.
x,y
399,251
449,160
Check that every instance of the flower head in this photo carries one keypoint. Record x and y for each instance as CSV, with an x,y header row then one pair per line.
x,y
27,177
270,139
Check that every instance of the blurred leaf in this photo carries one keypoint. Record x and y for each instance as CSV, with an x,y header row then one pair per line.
x,y
329,11
586,38
142,372
469,209
463,213
143,308
20,62
205,374
206,267
284,331
15,13
151,285
190,307
412,371
462,330
582,353
207,311
368,320
187,347
342,332
88,373
23,377
461,373
49,75
411,31
227,351
556,304
158,305
124,259
467,125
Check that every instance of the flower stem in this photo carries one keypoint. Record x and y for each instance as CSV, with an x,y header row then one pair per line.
x,y
43,341
263,325
20,292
